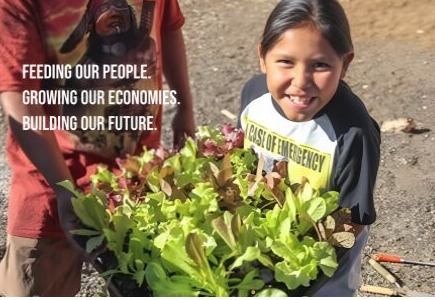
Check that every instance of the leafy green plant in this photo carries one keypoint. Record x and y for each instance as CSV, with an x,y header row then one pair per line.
x,y
206,221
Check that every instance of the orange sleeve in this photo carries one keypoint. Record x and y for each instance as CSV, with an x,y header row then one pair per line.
x,y
21,43
172,16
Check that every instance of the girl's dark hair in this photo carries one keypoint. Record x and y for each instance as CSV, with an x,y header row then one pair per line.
x,y
327,16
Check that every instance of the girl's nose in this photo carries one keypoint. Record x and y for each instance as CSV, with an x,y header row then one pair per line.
x,y
301,78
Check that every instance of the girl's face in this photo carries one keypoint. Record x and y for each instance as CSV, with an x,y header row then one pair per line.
x,y
303,72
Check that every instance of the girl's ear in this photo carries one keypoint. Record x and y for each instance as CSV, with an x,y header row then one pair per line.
x,y
346,62
261,58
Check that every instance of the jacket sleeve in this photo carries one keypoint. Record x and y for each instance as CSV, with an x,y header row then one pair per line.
x,y
357,172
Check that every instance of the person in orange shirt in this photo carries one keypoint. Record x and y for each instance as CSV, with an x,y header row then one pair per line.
x,y
42,257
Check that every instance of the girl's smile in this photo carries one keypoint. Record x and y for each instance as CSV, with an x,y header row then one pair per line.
x,y
303,71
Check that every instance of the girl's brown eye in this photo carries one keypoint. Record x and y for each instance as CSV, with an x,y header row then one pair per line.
x,y
284,61
320,66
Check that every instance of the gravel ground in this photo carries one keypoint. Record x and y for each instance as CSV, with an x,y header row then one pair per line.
x,y
4,186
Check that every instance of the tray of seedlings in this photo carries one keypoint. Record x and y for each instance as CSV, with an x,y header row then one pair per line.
x,y
207,221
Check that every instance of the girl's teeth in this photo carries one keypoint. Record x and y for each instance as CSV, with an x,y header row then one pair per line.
x,y
300,100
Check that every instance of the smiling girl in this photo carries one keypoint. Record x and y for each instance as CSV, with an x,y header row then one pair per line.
x,y
301,111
